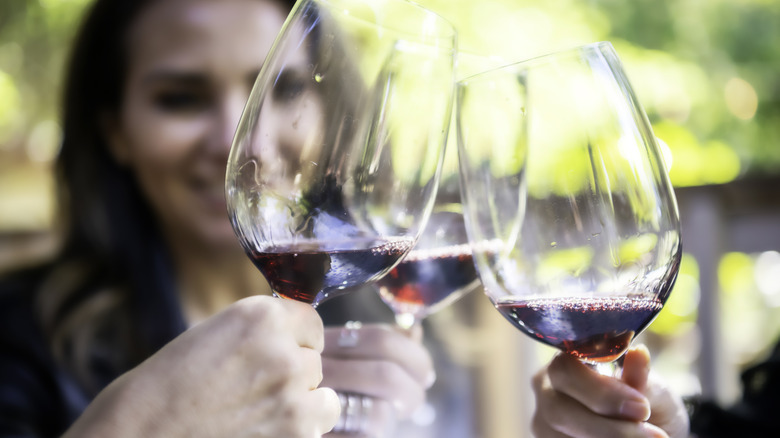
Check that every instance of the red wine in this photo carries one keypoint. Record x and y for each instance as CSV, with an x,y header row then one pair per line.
x,y
427,277
593,329
311,271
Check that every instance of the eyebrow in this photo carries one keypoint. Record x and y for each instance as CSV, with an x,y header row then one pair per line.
x,y
188,77
179,77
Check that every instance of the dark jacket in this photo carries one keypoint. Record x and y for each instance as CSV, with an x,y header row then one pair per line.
x,y
756,415
37,397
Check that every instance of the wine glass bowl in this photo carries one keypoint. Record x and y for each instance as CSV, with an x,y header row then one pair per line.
x,y
584,229
335,162
440,267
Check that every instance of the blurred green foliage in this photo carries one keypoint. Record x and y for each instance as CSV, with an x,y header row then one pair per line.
x,y
34,39
705,70
749,308
681,308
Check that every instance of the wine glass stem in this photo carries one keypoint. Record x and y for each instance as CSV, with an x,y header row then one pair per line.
x,y
406,320
612,369
314,303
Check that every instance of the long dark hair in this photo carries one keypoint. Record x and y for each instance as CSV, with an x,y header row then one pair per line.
x,y
113,281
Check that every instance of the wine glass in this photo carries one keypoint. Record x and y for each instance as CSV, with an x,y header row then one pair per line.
x,y
335,162
440,268
570,211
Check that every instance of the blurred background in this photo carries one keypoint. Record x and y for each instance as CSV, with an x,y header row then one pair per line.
x,y
706,71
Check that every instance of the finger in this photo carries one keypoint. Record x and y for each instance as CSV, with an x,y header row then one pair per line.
x,y
305,324
546,397
293,413
364,416
375,378
636,367
601,394
279,366
382,343
563,414
311,366
263,317
541,429
652,431
668,409
380,418
325,402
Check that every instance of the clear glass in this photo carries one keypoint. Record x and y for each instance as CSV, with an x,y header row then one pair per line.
x,y
572,218
440,268
335,163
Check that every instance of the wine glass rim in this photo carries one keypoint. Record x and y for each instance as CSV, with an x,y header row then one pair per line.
x,y
492,60
524,64
448,33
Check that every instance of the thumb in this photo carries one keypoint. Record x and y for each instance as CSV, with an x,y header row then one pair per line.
x,y
636,367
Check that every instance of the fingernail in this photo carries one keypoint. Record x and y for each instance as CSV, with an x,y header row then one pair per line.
x,y
635,409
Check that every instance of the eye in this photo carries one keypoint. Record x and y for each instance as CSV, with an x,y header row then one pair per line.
x,y
181,101
289,86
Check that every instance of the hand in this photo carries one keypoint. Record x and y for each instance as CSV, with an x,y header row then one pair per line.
x,y
384,362
250,371
573,400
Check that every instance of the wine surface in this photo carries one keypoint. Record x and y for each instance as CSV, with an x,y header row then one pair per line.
x,y
593,329
312,271
427,277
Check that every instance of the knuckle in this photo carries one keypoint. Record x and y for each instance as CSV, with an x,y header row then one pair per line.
x,y
312,365
271,382
604,404
538,381
286,361
279,362
253,310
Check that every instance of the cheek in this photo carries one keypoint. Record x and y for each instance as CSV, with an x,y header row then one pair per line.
x,y
159,141
159,151
162,142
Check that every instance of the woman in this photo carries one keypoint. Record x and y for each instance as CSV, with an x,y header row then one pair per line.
x,y
152,321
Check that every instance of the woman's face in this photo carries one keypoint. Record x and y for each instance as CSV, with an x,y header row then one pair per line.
x,y
191,67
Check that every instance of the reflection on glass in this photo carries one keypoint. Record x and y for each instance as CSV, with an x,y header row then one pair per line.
x,y
336,160
440,268
571,214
